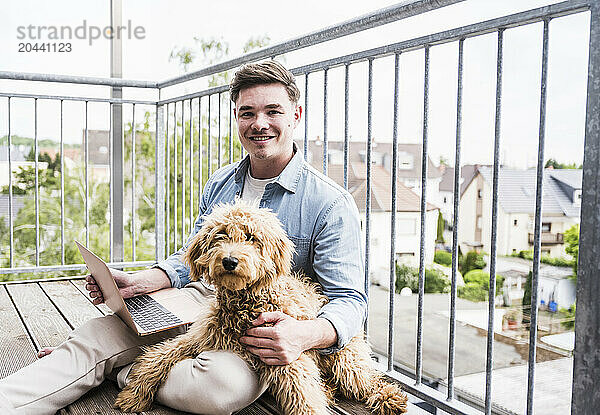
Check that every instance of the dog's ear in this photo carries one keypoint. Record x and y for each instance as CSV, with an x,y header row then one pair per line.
x,y
195,253
282,251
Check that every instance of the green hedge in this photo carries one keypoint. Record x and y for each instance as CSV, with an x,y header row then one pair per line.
x,y
473,260
473,292
477,285
443,258
435,281
545,259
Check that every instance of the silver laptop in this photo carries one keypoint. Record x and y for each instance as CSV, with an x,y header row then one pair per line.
x,y
145,314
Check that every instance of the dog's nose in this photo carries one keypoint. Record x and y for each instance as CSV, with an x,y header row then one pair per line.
x,y
229,263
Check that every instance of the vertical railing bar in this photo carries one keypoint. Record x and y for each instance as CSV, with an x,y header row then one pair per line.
x,y
110,181
325,149
585,397
368,198
168,183
62,189
175,177
538,223
199,152
182,172
133,183
393,223
10,195
452,340
492,288
346,121
209,150
191,211
37,196
159,183
230,135
219,131
306,116
87,190
424,160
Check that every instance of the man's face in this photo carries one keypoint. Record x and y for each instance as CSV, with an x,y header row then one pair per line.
x,y
266,119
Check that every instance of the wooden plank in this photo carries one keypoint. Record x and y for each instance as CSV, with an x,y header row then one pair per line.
x,y
97,401
16,349
80,284
70,302
45,324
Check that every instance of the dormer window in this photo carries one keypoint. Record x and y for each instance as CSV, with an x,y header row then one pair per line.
x,y
577,197
405,161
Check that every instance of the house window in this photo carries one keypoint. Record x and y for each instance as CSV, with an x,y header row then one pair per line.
x,y
405,161
445,200
479,191
514,251
546,227
515,222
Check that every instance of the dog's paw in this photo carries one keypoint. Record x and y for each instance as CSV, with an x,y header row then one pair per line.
x,y
128,401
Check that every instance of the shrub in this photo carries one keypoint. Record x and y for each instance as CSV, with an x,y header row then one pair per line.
x,y
482,278
407,277
473,292
568,313
435,281
443,258
557,262
473,260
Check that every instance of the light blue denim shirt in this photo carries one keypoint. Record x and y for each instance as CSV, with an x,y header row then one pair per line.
x,y
322,221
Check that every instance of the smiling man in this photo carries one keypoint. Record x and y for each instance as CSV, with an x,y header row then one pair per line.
x,y
320,218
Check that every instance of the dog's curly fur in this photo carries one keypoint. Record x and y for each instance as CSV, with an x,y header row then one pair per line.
x,y
262,281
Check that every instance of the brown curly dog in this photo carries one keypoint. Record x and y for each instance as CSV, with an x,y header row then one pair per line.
x,y
260,281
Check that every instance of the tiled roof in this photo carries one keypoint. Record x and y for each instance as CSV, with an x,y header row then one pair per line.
x,y
381,155
381,192
517,188
467,172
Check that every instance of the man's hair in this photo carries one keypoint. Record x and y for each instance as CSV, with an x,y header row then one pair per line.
x,y
266,72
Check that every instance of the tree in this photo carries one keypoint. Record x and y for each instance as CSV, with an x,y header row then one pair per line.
x,y
441,224
556,165
571,238
473,260
527,300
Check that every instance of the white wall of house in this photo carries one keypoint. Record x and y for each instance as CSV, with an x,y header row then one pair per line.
x,y
467,217
408,237
446,205
562,291
513,228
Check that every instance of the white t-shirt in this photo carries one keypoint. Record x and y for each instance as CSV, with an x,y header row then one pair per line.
x,y
254,188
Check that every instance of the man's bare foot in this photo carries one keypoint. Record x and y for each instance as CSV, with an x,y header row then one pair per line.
x,y
45,351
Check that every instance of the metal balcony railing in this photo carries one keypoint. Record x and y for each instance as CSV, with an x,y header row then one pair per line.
x,y
547,238
179,145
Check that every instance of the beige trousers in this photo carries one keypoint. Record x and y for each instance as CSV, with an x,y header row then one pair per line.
x,y
215,382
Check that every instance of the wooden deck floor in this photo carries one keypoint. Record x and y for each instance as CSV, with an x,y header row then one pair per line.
x,y
41,313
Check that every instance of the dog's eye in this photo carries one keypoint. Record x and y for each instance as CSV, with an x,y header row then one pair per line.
x,y
249,237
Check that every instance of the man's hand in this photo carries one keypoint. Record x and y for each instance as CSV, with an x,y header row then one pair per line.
x,y
124,281
284,341
130,285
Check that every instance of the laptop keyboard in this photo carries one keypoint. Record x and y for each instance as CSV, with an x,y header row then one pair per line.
x,y
149,314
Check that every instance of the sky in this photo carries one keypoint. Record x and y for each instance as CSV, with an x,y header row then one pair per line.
x,y
168,25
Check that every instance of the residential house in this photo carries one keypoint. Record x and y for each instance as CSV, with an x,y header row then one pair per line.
x,y
98,153
561,203
408,166
446,188
408,216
